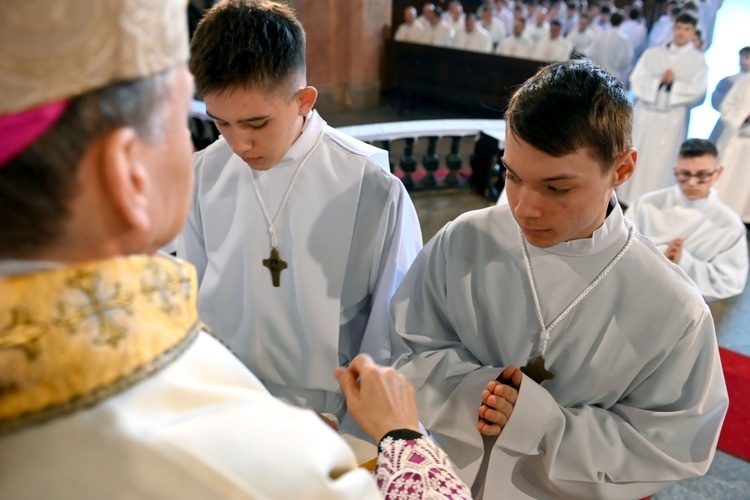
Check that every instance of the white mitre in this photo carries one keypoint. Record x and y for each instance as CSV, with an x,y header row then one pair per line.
x,y
57,49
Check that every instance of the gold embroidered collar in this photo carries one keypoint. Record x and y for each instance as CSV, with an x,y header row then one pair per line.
x,y
74,336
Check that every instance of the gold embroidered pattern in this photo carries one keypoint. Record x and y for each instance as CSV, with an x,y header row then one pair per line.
x,y
169,288
77,335
97,307
22,333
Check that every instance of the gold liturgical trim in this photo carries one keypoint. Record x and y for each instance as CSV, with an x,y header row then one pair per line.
x,y
72,337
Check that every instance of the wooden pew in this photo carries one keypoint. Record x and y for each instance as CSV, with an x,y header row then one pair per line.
x,y
480,83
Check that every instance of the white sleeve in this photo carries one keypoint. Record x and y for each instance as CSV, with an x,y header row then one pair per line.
x,y
644,80
735,108
387,237
416,469
664,429
724,274
189,243
690,88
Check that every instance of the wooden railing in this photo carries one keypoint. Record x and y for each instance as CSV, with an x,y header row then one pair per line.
x,y
433,152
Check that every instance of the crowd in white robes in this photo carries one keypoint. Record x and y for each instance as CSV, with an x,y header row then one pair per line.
x,y
610,51
348,234
624,415
661,114
714,252
734,148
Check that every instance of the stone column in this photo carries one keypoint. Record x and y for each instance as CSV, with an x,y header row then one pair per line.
x,y
345,50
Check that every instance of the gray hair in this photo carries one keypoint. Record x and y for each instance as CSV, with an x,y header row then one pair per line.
x,y
37,185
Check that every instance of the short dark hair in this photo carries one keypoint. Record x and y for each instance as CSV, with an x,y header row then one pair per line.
x,y
616,19
573,105
635,14
745,51
695,148
247,44
687,18
37,186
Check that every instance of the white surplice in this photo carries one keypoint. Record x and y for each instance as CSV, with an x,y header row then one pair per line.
x,y
348,233
733,186
496,29
535,32
514,46
717,97
177,435
612,51
660,118
478,40
552,50
714,252
411,32
638,396
582,40
440,34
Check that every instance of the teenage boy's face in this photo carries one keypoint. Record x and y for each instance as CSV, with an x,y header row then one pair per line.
x,y
559,199
260,126
745,62
683,33
696,176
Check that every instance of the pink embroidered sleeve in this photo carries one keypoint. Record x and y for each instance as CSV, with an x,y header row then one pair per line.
x,y
416,469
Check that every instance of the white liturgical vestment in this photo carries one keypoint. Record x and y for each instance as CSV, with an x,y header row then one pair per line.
x,y
638,394
478,40
733,186
411,32
348,234
612,51
714,252
514,46
554,50
660,117
133,400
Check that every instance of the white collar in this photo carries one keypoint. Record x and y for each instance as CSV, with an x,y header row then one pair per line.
x,y
613,230
309,135
692,203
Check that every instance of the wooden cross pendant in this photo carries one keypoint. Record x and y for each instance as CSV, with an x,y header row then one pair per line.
x,y
536,371
275,265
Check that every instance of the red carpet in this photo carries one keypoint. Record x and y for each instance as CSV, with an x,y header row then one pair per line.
x,y
735,435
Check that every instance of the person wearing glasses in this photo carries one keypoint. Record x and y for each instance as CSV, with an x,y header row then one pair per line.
x,y
693,227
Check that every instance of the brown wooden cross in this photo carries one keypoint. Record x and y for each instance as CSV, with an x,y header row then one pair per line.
x,y
275,265
536,371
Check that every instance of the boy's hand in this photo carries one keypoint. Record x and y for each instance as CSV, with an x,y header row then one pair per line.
x,y
674,250
498,401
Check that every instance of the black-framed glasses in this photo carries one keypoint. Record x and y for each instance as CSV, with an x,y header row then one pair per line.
x,y
700,177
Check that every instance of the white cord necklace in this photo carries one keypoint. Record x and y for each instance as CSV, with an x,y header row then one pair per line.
x,y
535,369
274,263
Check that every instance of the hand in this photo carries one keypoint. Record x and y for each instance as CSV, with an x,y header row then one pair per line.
x,y
667,77
498,401
674,250
379,398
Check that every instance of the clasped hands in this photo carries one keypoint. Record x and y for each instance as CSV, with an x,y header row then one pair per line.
x,y
674,250
498,401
